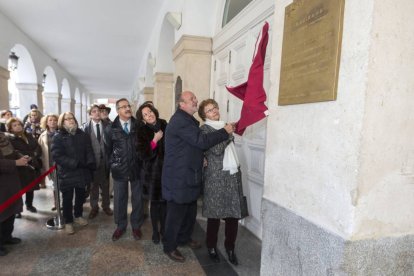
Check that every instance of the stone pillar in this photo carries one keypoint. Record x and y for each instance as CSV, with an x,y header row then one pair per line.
x,y
148,94
4,90
67,105
51,102
84,114
27,96
78,111
339,175
192,59
40,104
164,94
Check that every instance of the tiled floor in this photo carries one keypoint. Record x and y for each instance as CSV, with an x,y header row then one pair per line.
x,y
90,251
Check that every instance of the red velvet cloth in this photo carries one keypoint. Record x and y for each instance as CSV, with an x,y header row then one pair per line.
x,y
252,92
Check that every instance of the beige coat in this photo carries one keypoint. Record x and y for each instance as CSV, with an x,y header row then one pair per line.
x,y
45,150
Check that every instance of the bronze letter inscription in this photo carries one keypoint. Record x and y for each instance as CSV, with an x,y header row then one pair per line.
x,y
311,51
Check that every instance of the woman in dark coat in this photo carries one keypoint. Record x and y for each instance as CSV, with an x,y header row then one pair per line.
x,y
223,192
9,186
151,151
25,144
73,154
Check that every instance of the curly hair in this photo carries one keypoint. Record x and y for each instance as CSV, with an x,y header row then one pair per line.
x,y
138,115
202,105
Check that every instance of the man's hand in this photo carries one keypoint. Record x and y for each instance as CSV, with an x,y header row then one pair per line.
x,y
23,161
230,127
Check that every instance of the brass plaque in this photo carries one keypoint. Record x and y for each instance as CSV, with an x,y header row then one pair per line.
x,y
311,52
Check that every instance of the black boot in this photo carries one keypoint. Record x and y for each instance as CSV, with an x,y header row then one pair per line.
x,y
155,218
232,257
3,251
212,252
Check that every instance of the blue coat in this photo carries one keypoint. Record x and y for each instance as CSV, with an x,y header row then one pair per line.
x,y
185,144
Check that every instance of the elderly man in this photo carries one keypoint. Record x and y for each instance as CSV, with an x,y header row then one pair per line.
x,y
120,142
182,170
95,130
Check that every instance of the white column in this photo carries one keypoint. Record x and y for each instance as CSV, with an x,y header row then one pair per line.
x,y
78,110
27,96
4,91
84,116
67,105
164,94
51,102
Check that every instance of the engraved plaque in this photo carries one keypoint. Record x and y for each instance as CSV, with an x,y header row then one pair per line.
x,y
311,51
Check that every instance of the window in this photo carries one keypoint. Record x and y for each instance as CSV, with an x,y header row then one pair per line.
x,y
233,8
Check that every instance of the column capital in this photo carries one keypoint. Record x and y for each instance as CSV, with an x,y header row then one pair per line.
x,y
163,77
148,90
190,44
27,86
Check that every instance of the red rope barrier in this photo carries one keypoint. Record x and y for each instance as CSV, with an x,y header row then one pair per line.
x,y
18,195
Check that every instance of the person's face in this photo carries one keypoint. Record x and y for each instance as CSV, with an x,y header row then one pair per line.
x,y
7,116
69,121
212,112
148,116
124,110
33,117
51,122
16,127
104,114
189,103
95,114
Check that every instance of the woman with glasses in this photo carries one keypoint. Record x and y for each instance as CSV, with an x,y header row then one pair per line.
x,y
75,160
223,193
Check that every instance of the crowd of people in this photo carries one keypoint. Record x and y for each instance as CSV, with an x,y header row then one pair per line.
x,y
168,164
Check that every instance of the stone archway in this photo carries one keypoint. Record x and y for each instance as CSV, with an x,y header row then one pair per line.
x,y
50,92
66,102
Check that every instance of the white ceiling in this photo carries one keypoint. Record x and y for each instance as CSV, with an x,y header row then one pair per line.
x,y
99,42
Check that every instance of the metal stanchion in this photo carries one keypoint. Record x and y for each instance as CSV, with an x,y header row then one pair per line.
x,y
56,223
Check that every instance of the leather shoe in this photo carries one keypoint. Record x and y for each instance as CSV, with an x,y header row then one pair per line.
x,y
232,257
108,211
31,209
94,212
137,234
12,240
156,237
117,234
18,215
194,244
176,256
3,251
212,252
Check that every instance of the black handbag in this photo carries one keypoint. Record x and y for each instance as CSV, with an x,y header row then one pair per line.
x,y
244,211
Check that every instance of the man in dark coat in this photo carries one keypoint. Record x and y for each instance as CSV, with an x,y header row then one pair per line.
x,y
120,143
95,130
182,170
9,185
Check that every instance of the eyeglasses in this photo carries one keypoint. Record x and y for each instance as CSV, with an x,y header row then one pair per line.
x,y
125,107
212,109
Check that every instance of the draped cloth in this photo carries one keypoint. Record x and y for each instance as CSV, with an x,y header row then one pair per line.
x,y
230,160
252,92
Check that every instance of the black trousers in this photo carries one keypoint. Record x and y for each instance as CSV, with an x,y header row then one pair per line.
x,y
6,229
29,198
158,214
179,224
230,232
67,205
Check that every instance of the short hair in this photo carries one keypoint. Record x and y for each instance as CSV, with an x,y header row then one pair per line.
x,y
37,112
120,100
92,107
139,116
202,105
33,106
43,121
61,120
11,121
4,112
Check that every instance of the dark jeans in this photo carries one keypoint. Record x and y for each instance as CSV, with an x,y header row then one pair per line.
x,y
179,224
29,198
67,205
121,204
230,232
158,213
6,229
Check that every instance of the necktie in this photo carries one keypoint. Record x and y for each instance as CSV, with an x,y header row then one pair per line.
x,y
126,128
98,132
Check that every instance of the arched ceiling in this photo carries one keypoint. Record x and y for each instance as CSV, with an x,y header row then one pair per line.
x,y
99,42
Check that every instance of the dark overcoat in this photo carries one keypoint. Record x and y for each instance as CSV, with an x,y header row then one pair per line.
x,y
31,148
152,160
185,144
74,158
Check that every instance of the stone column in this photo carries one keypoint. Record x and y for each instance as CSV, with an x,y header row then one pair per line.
x,y
27,96
40,104
148,94
4,90
192,59
67,105
51,102
78,111
164,94
339,175
84,113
